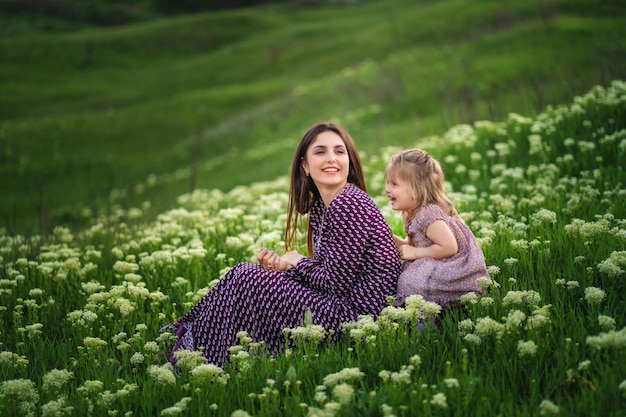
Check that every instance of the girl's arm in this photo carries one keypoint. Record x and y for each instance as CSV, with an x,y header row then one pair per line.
x,y
444,244
400,241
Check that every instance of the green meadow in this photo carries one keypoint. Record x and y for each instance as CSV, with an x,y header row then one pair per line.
x,y
142,113
139,163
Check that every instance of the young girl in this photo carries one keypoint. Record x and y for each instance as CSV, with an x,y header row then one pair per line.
x,y
442,258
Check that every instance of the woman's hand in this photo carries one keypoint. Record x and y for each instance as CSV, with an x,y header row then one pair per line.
x,y
292,258
269,260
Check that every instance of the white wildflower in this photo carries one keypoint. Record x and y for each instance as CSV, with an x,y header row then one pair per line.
x,y
21,392
548,408
345,375
543,217
188,360
465,326
584,365
526,348
53,381
451,382
208,373
472,339
439,400
343,393
137,359
162,375
610,339
92,343
606,322
56,408
594,295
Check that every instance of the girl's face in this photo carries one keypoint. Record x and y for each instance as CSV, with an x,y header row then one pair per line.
x,y
327,162
400,193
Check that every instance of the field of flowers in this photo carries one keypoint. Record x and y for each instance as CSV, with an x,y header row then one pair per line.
x,y
546,197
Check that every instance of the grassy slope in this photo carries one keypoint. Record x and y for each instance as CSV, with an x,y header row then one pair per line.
x,y
151,110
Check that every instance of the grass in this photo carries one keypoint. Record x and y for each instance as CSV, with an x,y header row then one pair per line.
x,y
80,311
152,110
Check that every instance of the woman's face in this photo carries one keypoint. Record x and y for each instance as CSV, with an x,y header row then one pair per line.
x,y
327,161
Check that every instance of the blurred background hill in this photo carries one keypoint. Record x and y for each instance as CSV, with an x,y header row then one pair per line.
x,y
50,15
107,104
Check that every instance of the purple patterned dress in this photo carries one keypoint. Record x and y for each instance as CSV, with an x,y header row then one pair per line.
x,y
355,267
441,280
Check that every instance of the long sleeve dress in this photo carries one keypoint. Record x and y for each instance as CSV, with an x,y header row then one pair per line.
x,y
442,281
355,267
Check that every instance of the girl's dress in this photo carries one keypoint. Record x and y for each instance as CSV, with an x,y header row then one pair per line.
x,y
355,267
441,280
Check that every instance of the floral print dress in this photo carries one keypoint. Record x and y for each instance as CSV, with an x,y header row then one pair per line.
x,y
441,280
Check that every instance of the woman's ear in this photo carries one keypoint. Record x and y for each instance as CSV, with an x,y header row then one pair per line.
x,y
304,166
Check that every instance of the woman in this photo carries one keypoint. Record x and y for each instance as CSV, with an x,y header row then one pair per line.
x,y
352,268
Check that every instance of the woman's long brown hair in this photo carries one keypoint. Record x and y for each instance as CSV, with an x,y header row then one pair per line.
x,y
303,192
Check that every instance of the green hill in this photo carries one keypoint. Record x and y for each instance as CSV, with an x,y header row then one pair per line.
x,y
80,312
102,118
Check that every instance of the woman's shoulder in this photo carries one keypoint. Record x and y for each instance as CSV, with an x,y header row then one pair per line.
x,y
354,197
355,204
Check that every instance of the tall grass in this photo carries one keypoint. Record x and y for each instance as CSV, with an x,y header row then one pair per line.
x,y
80,311
153,110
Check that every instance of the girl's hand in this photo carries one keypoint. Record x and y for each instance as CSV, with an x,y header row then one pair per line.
x,y
408,252
400,241
271,261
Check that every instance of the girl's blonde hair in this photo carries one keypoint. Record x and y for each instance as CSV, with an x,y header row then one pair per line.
x,y
424,175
